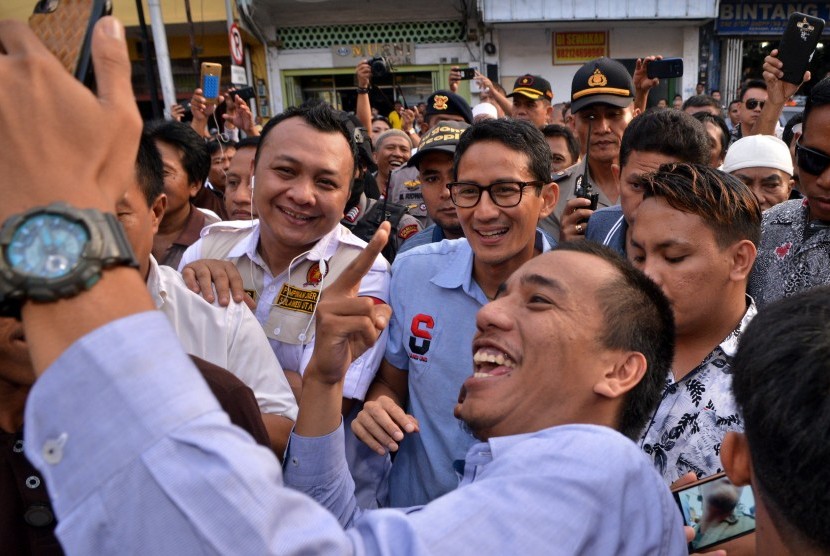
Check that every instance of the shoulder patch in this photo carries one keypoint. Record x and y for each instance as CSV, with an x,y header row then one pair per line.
x,y
408,231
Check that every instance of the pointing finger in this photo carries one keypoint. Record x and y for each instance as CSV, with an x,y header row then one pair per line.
x,y
349,280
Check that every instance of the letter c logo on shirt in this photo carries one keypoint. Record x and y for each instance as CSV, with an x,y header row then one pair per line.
x,y
420,339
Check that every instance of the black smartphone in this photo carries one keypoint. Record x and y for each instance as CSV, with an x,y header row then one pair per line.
x,y
798,44
665,68
247,93
65,27
468,73
717,510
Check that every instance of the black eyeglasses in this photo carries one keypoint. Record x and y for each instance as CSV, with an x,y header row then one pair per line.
x,y
810,161
505,194
753,103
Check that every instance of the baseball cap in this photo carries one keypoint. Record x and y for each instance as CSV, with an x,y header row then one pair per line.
x,y
446,102
443,137
758,151
601,81
533,87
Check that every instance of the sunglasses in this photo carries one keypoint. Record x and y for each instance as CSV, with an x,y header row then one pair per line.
x,y
753,103
810,161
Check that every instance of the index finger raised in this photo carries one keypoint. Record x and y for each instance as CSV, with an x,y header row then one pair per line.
x,y
349,280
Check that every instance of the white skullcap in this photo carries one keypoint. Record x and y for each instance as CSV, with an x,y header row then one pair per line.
x,y
758,151
485,108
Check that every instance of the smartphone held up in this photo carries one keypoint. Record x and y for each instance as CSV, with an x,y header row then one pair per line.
x,y
798,44
211,76
65,27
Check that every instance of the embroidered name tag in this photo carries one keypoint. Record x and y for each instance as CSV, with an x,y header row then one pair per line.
x,y
297,299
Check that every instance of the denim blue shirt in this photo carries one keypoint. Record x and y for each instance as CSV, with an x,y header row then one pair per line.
x,y
434,304
139,458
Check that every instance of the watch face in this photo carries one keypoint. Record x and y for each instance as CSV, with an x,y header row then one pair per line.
x,y
47,246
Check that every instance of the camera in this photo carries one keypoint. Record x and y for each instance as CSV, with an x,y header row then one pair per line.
x,y
381,67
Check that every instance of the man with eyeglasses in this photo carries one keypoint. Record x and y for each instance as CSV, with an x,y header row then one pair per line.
x,y
502,188
753,97
794,254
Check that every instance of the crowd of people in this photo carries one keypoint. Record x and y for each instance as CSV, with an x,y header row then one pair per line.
x,y
506,328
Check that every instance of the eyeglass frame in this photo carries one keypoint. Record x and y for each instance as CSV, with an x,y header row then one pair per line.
x,y
758,101
538,184
799,148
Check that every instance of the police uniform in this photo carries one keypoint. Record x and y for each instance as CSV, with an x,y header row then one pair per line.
x,y
600,81
566,180
405,189
405,228
405,183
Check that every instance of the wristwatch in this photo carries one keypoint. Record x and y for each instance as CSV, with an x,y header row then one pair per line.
x,y
57,251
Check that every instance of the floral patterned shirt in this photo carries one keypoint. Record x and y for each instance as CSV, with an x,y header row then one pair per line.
x,y
787,263
695,414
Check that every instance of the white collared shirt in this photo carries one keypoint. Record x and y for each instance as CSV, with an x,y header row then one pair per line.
x,y
229,337
296,356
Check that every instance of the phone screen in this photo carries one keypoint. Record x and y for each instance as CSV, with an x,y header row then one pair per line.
x,y
717,510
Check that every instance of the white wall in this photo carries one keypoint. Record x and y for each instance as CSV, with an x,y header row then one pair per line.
x,y
528,50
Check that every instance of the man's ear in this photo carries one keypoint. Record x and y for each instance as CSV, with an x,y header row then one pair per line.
x,y
195,186
743,255
550,196
736,458
158,208
626,373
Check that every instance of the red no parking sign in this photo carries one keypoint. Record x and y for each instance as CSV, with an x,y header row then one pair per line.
x,y
237,48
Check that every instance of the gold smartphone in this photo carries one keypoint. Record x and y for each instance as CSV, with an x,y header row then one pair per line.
x,y
211,75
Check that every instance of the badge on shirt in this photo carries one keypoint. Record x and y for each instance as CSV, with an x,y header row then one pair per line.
x,y
297,299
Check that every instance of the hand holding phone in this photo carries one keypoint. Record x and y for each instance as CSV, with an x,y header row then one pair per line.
x,y
798,44
467,73
65,27
211,75
665,69
717,510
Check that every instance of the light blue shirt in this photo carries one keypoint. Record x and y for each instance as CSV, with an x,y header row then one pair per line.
x,y
434,304
139,458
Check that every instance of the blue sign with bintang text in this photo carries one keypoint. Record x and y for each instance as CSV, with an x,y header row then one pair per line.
x,y
764,18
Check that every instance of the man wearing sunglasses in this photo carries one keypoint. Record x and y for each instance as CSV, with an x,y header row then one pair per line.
x,y
753,97
502,187
794,254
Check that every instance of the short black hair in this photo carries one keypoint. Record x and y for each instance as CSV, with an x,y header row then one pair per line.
x,y
517,135
556,130
751,84
192,149
697,101
781,380
669,132
724,203
638,317
706,117
247,142
318,115
819,96
149,169
213,146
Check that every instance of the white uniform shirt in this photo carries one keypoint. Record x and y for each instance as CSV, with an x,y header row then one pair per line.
x,y
229,337
295,356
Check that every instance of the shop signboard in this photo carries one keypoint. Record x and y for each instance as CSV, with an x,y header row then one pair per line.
x,y
736,17
578,47
398,53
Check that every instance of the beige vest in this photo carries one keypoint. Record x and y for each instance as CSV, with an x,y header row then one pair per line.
x,y
290,319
